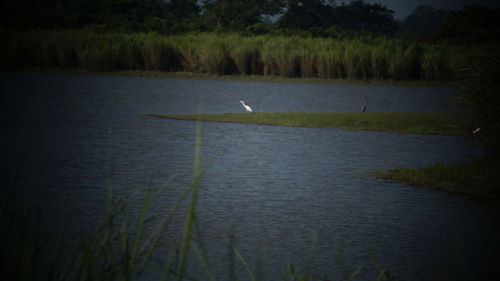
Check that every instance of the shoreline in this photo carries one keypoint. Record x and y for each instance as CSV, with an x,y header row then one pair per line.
x,y
410,123
476,179
242,78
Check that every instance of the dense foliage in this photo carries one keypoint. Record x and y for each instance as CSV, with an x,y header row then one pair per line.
x,y
326,18
378,58
481,98
472,25
424,20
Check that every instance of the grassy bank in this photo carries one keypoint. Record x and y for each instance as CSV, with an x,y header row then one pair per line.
x,y
419,123
377,58
477,179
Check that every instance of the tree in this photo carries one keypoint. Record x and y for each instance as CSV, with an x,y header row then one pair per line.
x,y
126,15
182,9
238,14
472,25
424,20
180,16
307,14
375,18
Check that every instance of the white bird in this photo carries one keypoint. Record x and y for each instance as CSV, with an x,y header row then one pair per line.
x,y
476,130
247,108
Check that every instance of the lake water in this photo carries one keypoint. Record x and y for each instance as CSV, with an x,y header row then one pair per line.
x,y
292,193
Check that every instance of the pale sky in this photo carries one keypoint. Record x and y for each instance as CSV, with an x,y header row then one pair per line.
x,y
403,8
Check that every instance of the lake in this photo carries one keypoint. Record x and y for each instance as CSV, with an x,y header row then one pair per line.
x,y
294,195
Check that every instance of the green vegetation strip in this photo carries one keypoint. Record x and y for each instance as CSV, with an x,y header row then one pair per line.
x,y
222,54
477,179
417,123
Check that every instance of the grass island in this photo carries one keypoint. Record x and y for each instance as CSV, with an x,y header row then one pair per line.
x,y
419,123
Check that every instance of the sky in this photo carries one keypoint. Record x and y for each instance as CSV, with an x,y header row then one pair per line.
x,y
403,8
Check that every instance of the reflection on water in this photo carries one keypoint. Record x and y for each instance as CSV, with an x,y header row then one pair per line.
x,y
280,185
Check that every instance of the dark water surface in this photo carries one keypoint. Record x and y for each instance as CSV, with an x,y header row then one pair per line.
x,y
292,193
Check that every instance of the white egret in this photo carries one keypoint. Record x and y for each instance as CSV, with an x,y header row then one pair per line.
x,y
247,108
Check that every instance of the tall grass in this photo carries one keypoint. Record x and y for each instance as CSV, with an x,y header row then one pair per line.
x,y
247,56
121,247
221,54
159,53
280,56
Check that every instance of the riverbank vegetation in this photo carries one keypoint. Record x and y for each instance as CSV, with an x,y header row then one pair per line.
x,y
480,100
478,179
377,58
415,123
306,39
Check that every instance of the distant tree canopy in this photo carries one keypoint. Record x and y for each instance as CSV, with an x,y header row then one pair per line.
x,y
122,15
473,24
237,15
359,15
424,20
307,14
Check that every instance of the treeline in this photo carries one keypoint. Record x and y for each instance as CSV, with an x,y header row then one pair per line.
x,y
179,16
229,53
306,18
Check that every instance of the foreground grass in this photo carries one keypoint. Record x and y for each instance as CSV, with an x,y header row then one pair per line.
x,y
477,179
417,123
125,244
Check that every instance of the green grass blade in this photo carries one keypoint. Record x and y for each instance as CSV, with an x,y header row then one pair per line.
x,y
232,267
245,264
152,243
110,166
140,224
168,269
190,216
204,262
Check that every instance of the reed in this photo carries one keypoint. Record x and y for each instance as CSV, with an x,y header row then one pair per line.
x,y
214,54
380,58
330,64
435,63
247,56
130,52
404,62
307,56
280,56
356,58
187,48
158,54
